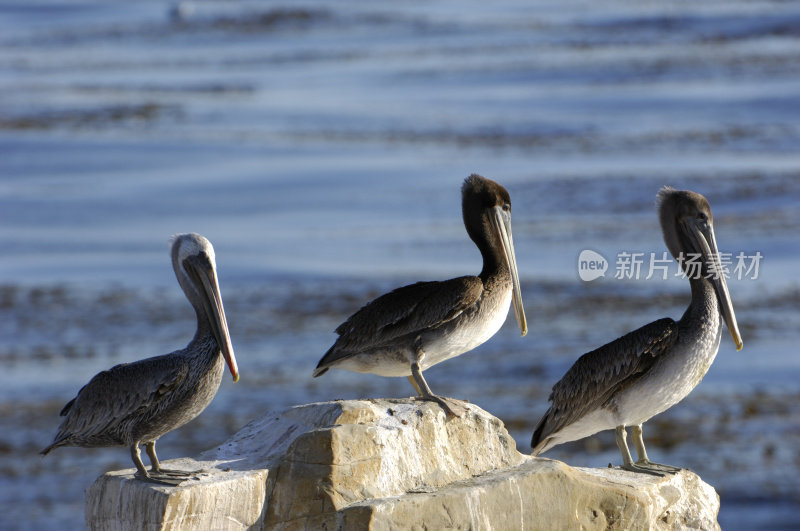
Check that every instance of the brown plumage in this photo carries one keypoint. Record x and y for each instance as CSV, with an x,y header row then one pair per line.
x,y
407,330
631,379
136,403
402,312
602,373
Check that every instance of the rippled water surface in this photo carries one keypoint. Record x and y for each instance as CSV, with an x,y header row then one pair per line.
x,y
321,147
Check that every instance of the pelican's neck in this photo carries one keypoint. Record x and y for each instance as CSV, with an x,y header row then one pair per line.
x,y
702,315
495,266
486,239
203,326
203,336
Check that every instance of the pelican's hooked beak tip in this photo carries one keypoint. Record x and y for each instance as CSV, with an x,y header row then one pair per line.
x,y
235,377
739,345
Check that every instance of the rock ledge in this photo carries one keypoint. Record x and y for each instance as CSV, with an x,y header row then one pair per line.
x,y
392,464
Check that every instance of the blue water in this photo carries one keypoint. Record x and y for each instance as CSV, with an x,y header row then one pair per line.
x,y
321,146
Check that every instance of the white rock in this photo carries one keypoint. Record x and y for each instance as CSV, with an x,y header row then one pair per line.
x,y
392,464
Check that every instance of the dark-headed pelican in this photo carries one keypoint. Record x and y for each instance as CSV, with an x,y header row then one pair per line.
x,y
136,403
414,327
647,371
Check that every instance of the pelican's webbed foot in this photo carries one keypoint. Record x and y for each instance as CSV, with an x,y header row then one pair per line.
x,y
642,469
160,480
644,464
169,472
157,474
667,469
450,406
421,386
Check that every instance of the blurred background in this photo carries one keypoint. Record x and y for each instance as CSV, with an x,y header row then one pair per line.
x,y
321,147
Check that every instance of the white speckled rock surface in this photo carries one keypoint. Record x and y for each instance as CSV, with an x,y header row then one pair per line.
x,y
389,464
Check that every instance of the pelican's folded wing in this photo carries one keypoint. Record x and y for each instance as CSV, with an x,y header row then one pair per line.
x,y
601,373
404,311
116,394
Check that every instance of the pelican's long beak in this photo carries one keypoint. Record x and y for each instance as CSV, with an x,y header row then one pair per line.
x,y
502,224
703,235
212,302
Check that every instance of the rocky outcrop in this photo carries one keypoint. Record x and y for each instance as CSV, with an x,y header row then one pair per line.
x,y
392,464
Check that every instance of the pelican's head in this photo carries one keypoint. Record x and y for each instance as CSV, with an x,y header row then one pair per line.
x,y
196,269
688,227
486,207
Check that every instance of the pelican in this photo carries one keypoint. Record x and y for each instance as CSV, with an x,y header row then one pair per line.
x,y
136,403
649,370
414,327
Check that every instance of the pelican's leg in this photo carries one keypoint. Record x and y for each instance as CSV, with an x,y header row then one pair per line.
x,y
156,469
141,471
415,385
425,393
638,441
627,460
150,448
